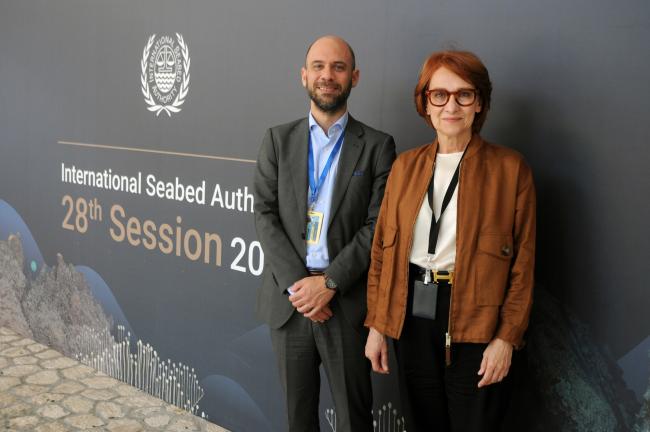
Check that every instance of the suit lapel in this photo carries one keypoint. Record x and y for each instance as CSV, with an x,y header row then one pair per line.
x,y
298,153
350,152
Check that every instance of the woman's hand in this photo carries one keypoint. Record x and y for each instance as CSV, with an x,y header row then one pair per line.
x,y
496,362
377,351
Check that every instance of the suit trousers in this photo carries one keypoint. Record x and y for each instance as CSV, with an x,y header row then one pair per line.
x,y
301,346
445,398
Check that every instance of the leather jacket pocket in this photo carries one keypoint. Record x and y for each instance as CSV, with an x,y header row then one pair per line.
x,y
492,267
388,256
390,235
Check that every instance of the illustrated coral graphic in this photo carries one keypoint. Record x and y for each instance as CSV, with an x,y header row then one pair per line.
x,y
385,419
56,307
140,367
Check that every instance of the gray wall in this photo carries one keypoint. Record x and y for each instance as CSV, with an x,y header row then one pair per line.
x,y
570,93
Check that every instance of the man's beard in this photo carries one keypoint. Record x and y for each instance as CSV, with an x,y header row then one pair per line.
x,y
330,104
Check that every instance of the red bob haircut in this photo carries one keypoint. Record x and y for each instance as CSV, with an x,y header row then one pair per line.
x,y
467,66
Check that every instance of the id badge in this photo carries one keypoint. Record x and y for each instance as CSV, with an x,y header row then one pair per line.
x,y
314,226
425,300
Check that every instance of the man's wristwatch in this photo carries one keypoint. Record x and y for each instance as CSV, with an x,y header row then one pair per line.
x,y
329,282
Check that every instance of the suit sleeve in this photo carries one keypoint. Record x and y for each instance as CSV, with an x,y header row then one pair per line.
x,y
285,264
353,260
515,311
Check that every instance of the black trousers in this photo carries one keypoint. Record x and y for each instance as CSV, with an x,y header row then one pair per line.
x,y
445,398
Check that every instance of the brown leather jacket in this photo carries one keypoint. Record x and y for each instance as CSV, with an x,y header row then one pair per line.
x,y
495,244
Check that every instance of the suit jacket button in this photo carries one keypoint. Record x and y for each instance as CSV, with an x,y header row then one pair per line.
x,y
505,250
302,235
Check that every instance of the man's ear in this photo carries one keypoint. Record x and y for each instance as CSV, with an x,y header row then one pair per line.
x,y
355,77
303,76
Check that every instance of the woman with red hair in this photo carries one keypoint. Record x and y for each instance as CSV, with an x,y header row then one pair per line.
x,y
451,273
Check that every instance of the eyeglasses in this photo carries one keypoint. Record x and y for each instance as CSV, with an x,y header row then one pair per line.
x,y
439,97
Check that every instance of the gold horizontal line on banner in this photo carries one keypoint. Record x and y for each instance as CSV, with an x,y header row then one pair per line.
x,y
162,152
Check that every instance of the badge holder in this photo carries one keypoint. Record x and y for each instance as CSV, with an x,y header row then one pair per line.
x,y
314,227
425,297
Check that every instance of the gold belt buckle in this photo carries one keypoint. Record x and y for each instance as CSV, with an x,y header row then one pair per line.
x,y
443,277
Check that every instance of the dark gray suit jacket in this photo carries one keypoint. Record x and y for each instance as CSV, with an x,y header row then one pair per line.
x,y
281,186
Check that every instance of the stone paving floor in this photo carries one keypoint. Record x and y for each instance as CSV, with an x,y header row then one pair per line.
x,y
43,391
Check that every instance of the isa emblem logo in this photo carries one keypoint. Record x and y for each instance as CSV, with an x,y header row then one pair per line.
x,y
165,77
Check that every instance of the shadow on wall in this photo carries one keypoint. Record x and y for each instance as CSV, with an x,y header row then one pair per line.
x,y
565,224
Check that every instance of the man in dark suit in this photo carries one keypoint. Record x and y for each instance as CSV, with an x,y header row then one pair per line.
x,y
318,186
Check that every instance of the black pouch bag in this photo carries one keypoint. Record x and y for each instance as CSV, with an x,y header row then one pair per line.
x,y
425,300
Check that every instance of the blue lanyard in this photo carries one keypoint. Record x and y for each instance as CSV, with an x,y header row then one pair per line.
x,y
313,186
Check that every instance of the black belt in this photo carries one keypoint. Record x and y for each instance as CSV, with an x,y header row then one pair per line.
x,y
439,277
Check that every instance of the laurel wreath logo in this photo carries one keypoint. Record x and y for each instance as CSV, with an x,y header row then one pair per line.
x,y
185,85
